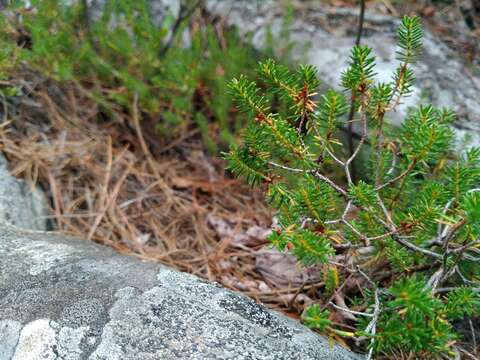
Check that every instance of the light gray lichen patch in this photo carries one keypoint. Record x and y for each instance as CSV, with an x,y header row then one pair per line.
x,y
44,339
43,258
171,324
9,335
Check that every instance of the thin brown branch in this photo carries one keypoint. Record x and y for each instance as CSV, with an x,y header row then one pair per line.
x,y
350,160
399,177
358,39
184,14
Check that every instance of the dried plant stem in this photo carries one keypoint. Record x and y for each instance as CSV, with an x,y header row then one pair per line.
x,y
143,144
352,100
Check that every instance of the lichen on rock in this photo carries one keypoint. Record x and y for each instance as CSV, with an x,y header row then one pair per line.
x,y
63,298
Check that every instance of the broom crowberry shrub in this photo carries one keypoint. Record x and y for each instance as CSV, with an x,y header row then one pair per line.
x,y
408,232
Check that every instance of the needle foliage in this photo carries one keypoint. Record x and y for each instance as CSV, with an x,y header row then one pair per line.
x,y
401,246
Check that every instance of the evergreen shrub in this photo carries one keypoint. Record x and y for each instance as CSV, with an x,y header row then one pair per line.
x,y
401,246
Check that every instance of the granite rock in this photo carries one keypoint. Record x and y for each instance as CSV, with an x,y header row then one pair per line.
x,y
63,298
21,204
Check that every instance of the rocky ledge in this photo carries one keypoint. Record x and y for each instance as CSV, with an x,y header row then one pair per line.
x,y
63,298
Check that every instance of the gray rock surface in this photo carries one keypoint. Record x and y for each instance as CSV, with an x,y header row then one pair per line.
x,y
63,298
20,203
163,12
442,76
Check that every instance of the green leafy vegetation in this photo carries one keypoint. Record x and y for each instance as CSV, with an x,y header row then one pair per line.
x,y
400,247
124,58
